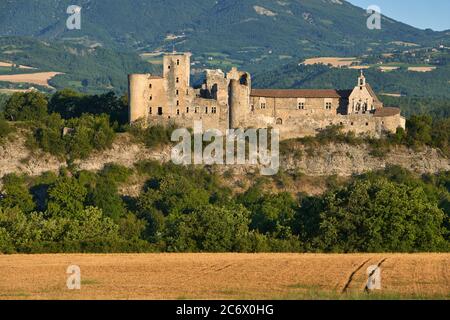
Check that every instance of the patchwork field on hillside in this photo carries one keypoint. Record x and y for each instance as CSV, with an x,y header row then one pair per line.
x,y
336,62
225,276
39,78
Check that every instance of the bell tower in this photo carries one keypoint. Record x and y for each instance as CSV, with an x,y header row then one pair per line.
x,y
362,79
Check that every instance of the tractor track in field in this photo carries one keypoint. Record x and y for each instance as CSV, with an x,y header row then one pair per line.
x,y
352,275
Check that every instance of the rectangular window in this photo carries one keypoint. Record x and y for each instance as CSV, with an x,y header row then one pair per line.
x,y
151,98
178,102
160,111
187,110
178,92
301,106
196,110
263,105
328,105
214,110
178,112
206,110
150,86
150,110
178,80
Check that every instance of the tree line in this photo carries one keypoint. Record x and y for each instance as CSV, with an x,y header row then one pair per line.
x,y
187,209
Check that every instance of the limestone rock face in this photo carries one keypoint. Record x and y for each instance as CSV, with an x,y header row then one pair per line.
x,y
347,160
333,159
15,157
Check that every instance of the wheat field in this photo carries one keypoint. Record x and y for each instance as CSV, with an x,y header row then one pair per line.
x,y
336,62
39,78
225,276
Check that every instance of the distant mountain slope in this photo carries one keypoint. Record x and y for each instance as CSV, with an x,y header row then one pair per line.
x,y
411,84
85,69
246,32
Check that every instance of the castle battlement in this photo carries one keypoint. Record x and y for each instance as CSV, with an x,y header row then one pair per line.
x,y
227,101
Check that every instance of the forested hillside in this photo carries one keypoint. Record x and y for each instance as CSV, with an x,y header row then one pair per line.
x,y
84,69
250,32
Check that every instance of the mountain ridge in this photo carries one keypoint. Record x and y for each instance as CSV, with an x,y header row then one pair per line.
x,y
290,27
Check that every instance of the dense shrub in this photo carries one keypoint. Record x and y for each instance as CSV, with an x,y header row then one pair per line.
x,y
153,136
376,216
16,194
71,104
84,135
26,106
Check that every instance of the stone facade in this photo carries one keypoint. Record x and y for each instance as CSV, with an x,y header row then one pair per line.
x,y
227,101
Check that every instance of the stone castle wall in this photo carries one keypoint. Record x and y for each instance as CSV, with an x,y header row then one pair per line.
x,y
228,101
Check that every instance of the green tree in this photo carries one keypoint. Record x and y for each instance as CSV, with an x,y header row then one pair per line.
x,y
48,135
208,229
90,225
66,198
20,231
271,214
419,130
26,106
275,215
372,216
67,103
71,104
16,194
105,196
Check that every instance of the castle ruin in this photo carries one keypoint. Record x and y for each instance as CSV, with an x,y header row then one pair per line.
x,y
227,101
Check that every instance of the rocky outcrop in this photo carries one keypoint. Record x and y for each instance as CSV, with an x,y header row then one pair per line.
x,y
16,157
326,160
347,160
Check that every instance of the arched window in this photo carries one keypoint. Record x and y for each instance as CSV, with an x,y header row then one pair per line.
x,y
279,121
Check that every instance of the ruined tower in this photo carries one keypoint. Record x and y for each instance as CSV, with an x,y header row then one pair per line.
x,y
137,87
239,97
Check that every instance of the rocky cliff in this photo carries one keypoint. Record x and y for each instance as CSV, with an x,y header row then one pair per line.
x,y
333,159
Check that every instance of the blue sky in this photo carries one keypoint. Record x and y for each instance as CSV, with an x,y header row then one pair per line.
x,y
434,14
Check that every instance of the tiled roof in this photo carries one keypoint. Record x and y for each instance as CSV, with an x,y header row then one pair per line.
x,y
387,112
300,93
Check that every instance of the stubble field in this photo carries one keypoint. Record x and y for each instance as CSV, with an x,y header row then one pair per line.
x,y
39,78
225,276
